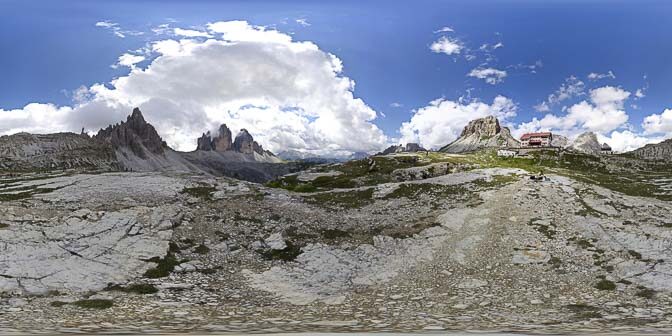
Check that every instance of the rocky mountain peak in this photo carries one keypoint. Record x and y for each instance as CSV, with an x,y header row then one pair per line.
x,y
135,134
221,143
482,133
488,126
245,143
587,143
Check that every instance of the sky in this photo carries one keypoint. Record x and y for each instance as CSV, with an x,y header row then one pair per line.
x,y
334,77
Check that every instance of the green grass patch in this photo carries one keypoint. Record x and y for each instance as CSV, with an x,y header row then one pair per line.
x,y
417,190
58,303
24,194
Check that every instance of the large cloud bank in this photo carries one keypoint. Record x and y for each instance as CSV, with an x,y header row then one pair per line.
x,y
288,94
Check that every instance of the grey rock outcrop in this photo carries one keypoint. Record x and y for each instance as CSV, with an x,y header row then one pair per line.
x,y
587,143
24,151
661,151
482,133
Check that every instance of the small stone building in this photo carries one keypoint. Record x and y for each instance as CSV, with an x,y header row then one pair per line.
x,y
506,153
541,139
606,149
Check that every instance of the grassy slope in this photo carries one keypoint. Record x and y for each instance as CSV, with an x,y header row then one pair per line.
x,y
620,173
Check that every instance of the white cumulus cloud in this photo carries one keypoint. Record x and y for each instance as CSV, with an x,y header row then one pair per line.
x,y
446,45
658,123
129,60
489,75
603,113
190,33
593,76
442,121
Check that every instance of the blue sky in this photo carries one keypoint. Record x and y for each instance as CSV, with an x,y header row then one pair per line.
x,y
52,48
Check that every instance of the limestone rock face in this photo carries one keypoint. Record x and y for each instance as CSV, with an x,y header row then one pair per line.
x,y
587,143
69,243
660,151
204,143
222,142
488,126
136,134
482,133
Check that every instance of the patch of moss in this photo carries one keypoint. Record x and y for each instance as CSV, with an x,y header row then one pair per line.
x,y
605,284
202,249
555,262
25,194
580,307
204,192
58,303
635,254
289,253
589,315
646,293
348,199
584,243
223,235
495,181
94,304
163,268
3,225
416,190
305,188
335,234
239,217
208,271
142,289
547,230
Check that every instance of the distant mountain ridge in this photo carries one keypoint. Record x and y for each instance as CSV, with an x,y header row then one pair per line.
x,y
135,145
25,151
661,151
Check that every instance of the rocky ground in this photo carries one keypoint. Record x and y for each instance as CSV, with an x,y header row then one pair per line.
x,y
444,248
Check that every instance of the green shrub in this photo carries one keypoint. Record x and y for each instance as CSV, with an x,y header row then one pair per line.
x,y
605,284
